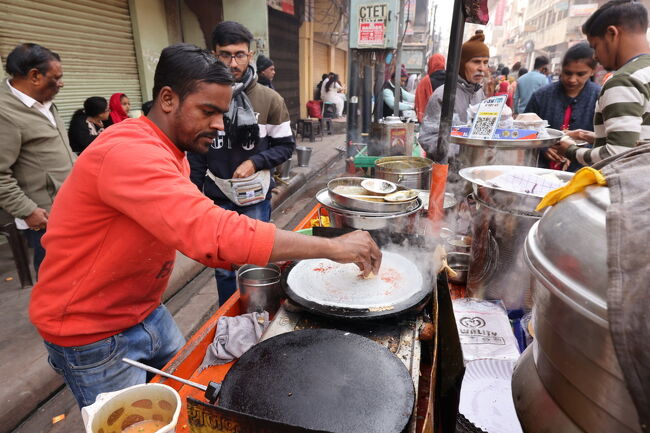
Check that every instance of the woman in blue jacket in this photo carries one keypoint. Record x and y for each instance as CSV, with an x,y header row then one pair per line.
x,y
569,103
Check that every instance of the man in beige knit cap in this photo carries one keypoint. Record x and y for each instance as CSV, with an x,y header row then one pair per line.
x,y
474,57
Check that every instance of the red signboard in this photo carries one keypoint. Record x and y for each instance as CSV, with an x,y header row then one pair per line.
x,y
371,33
498,14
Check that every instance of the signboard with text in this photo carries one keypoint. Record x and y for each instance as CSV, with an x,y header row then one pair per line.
x,y
373,24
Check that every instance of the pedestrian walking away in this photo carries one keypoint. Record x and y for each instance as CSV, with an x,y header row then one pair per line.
x,y
236,171
126,208
529,83
36,157
428,84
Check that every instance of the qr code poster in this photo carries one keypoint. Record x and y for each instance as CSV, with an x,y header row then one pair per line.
x,y
487,117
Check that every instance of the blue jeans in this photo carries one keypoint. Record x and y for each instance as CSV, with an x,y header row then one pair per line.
x,y
226,281
97,367
34,241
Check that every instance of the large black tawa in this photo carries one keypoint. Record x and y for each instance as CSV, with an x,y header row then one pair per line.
x,y
322,379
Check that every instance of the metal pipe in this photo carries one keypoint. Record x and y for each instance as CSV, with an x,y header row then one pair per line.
x,y
397,81
162,373
380,69
353,134
451,77
366,106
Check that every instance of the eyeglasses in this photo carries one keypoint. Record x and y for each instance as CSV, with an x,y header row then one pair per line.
x,y
226,57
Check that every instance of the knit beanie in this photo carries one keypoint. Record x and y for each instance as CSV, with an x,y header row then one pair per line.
x,y
474,47
263,63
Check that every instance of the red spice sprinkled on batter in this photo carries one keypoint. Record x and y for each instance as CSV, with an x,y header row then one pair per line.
x,y
323,268
391,276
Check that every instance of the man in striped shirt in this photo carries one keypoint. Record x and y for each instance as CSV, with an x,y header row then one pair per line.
x,y
617,32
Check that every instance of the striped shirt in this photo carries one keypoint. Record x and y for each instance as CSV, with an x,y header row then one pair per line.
x,y
622,117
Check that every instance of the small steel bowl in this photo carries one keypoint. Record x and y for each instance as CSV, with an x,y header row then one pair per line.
x,y
459,262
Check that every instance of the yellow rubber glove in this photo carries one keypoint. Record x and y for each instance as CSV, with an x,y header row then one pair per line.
x,y
583,178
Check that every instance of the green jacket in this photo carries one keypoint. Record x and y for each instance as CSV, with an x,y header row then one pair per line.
x,y
35,157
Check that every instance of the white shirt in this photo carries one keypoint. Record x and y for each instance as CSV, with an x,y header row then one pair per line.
x,y
44,109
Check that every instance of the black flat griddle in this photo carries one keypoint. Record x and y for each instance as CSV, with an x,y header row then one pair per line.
x,y
322,379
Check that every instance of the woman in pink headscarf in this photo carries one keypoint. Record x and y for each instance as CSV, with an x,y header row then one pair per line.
x,y
436,78
119,105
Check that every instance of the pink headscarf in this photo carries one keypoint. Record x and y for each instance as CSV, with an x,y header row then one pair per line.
x,y
117,112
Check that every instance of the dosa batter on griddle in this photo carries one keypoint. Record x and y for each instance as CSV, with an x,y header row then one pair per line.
x,y
340,285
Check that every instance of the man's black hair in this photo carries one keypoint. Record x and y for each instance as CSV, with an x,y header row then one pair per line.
x,y
26,57
522,71
95,105
629,14
183,66
230,32
540,62
146,107
581,52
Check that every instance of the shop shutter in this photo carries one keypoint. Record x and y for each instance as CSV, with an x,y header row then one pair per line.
x,y
93,38
283,42
340,64
321,61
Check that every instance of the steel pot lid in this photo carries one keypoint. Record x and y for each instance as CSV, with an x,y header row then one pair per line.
x,y
567,249
511,188
554,137
322,379
337,289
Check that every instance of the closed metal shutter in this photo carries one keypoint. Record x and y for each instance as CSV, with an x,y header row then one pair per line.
x,y
283,43
321,61
340,63
93,38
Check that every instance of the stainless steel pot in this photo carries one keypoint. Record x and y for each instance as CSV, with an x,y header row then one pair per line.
x,y
409,171
474,152
574,358
400,222
500,222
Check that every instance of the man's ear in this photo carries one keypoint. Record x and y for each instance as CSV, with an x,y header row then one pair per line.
x,y
612,32
168,99
34,76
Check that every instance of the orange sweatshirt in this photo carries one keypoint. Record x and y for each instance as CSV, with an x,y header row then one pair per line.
x,y
114,229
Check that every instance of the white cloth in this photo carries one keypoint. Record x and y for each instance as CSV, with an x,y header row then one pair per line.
x,y
44,108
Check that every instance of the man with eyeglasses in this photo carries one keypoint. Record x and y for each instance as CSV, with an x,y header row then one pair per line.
x,y
236,171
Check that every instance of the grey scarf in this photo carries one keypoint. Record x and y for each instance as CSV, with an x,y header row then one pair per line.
x,y
240,121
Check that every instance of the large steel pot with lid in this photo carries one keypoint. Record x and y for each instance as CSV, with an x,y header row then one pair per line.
x,y
475,151
501,219
572,356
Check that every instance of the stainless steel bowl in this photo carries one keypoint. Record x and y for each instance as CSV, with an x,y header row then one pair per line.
x,y
365,205
400,222
459,262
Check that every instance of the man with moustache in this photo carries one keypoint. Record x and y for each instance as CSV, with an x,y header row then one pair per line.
x,y
35,157
236,171
119,218
474,57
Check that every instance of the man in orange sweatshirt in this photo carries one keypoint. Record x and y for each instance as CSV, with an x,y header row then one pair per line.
x,y
119,218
